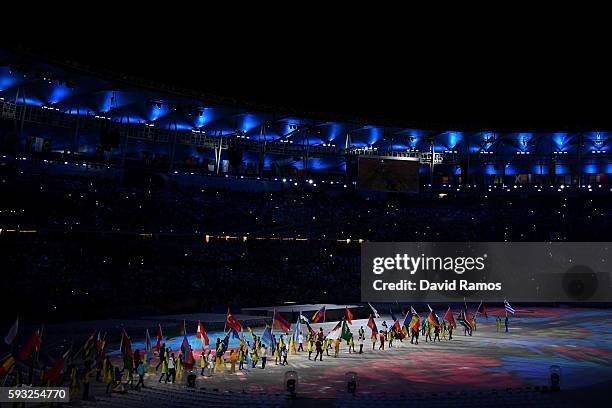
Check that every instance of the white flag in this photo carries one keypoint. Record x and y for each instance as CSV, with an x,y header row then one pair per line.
x,y
10,337
376,315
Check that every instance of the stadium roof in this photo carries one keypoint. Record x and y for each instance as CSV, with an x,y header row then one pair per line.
x,y
84,90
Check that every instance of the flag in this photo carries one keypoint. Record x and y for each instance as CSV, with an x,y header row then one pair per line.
x,y
448,316
160,338
234,333
349,315
304,319
415,323
432,318
392,315
6,364
185,348
463,321
268,339
230,321
469,318
100,342
252,334
398,329
374,311
201,334
126,349
31,345
224,344
12,333
280,322
53,375
319,314
407,320
482,310
400,309
176,331
508,308
336,332
346,332
372,326
298,330
148,346
88,346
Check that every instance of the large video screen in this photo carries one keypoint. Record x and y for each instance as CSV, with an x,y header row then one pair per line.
x,y
388,174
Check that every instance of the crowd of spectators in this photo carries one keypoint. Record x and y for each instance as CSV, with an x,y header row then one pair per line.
x,y
101,247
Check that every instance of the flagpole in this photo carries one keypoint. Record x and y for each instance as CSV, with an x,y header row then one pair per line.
x,y
81,348
42,328
225,324
476,314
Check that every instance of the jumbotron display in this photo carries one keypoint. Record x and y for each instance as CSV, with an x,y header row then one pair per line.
x,y
391,174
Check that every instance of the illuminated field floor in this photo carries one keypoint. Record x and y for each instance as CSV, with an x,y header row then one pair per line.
x,y
578,340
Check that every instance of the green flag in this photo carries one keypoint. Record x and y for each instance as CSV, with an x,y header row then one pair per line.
x,y
346,332
177,331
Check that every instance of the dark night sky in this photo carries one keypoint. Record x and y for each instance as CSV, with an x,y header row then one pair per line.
x,y
502,86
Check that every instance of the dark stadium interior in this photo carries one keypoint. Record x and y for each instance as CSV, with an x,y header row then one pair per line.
x,y
130,189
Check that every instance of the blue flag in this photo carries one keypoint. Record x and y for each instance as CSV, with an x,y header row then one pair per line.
x,y
392,315
235,334
225,343
268,339
298,330
407,320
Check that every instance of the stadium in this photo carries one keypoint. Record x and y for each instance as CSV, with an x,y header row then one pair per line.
x,y
187,240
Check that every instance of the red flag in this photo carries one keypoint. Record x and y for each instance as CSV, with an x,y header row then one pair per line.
x,y
160,338
126,345
100,343
349,315
281,322
372,326
53,375
448,316
319,314
230,321
201,333
433,319
398,329
415,323
482,310
469,318
31,345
